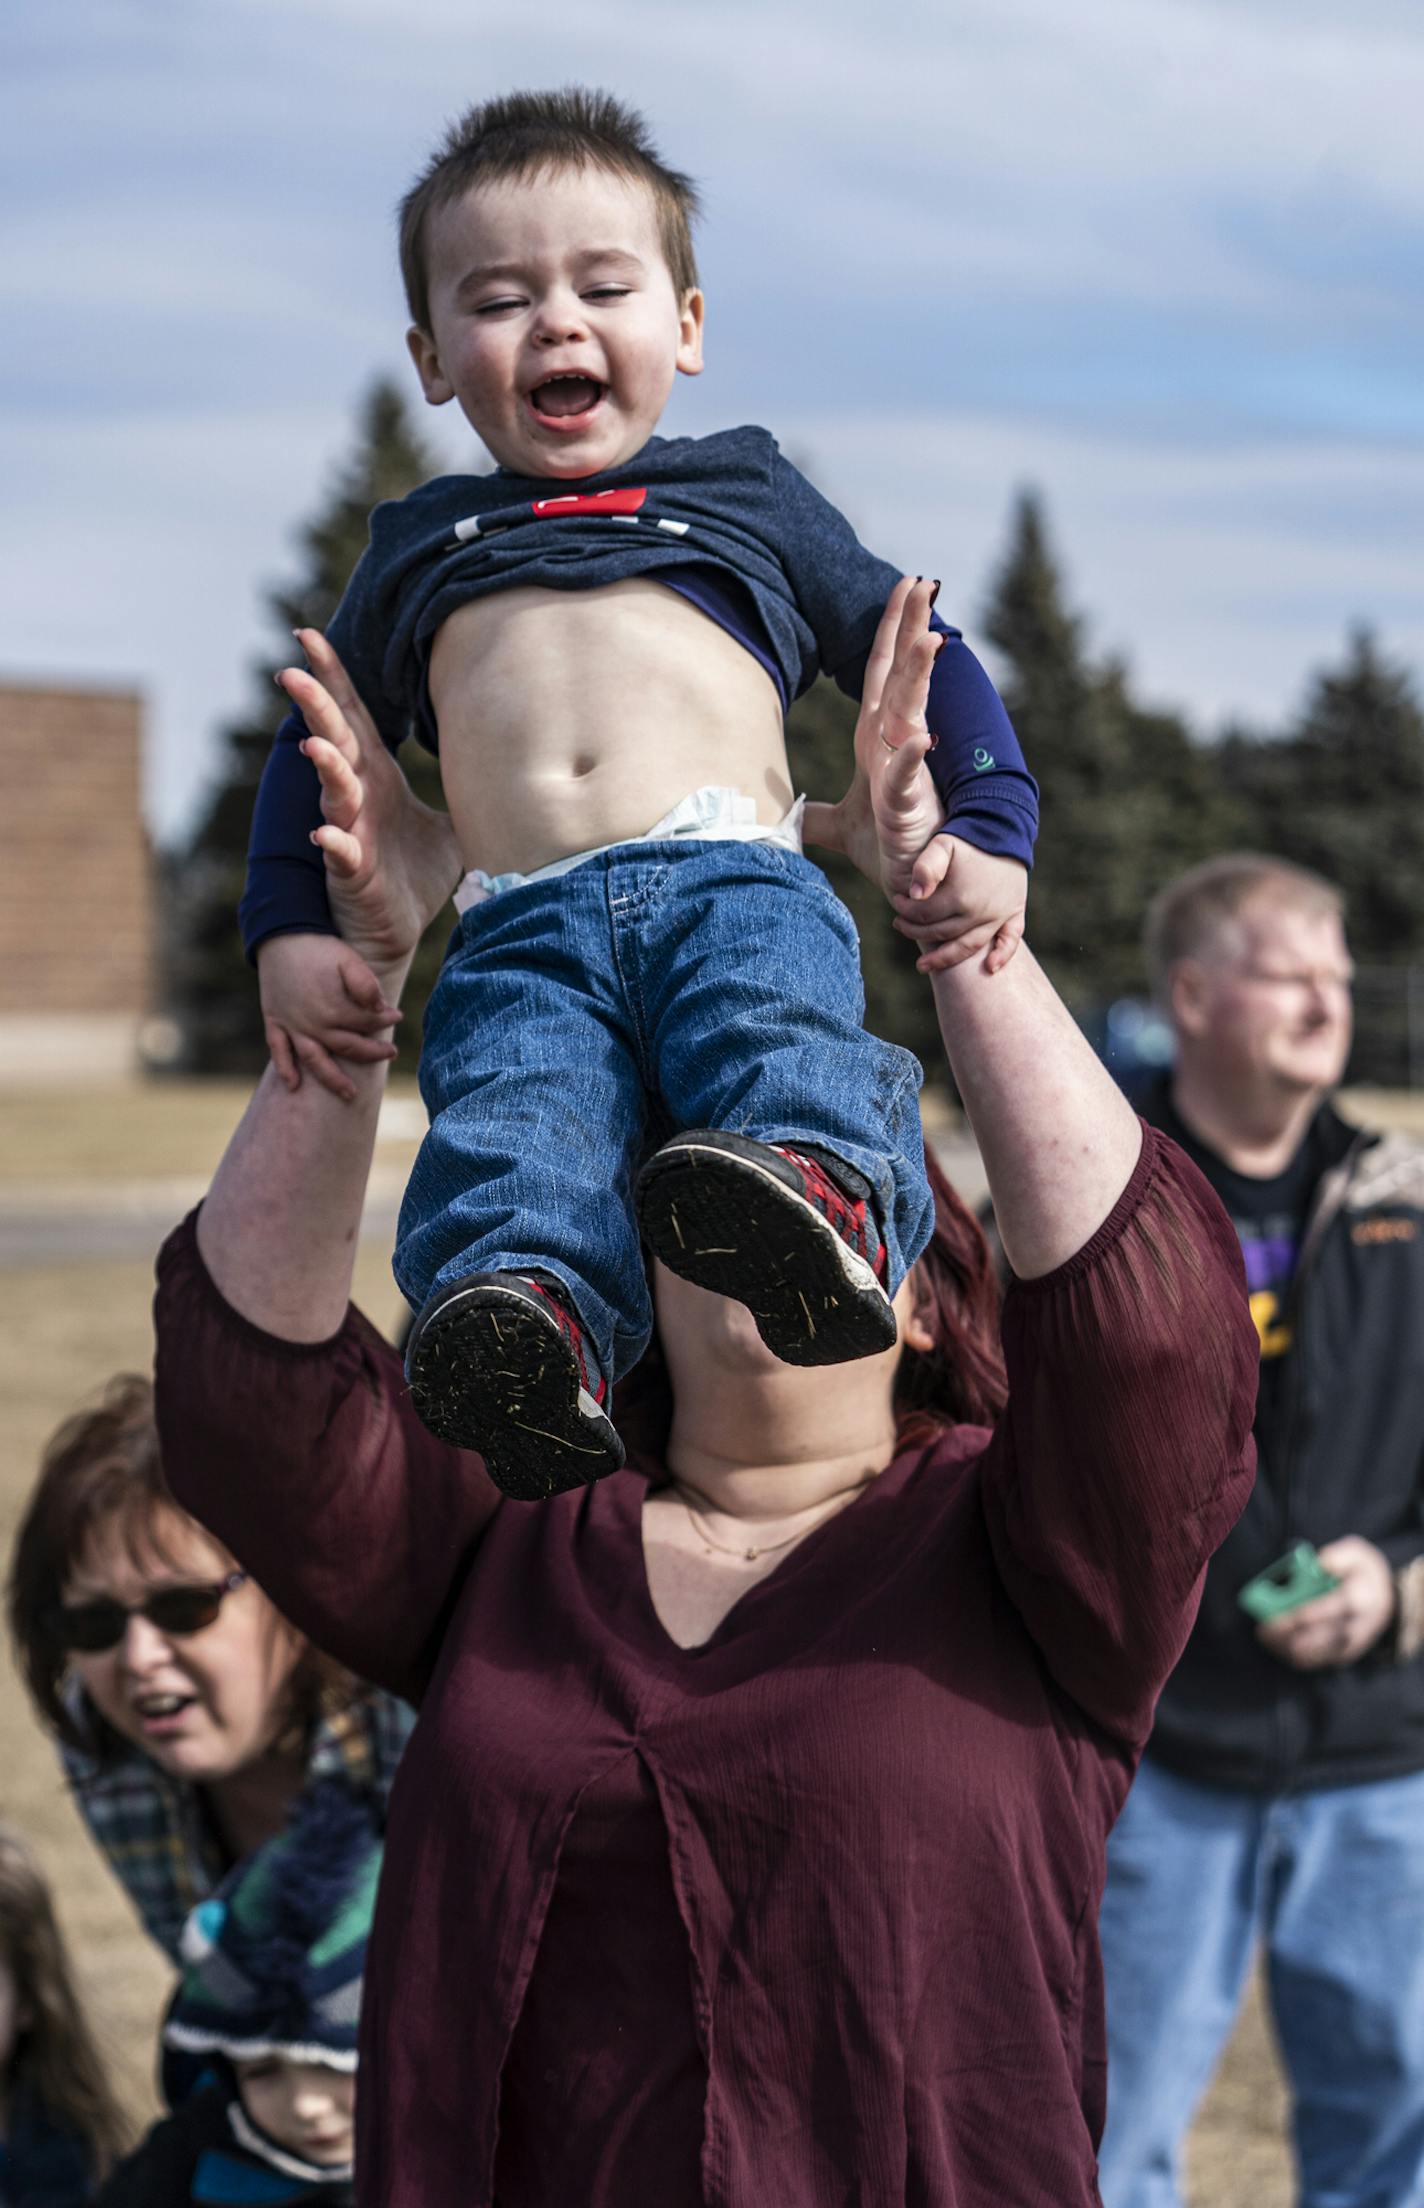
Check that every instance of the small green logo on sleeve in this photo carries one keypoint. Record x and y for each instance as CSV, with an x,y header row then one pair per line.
x,y
983,760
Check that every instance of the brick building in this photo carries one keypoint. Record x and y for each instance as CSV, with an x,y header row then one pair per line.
x,y
76,892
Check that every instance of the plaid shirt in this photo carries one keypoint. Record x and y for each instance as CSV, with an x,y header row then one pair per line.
x,y
156,1837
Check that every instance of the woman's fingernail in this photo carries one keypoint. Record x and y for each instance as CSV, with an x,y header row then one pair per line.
x,y
935,591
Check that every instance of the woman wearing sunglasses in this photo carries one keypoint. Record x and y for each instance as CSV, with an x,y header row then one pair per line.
x,y
189,1712
749,1843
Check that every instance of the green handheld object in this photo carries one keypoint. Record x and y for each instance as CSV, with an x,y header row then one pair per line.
x,y
1297,1577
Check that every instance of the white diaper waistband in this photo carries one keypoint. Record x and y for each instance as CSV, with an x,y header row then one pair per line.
x,y
705,816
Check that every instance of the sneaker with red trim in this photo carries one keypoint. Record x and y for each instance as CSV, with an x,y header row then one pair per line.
x,y
498,1362
769,1226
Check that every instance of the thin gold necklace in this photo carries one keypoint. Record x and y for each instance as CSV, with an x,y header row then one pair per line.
x,y
749,1554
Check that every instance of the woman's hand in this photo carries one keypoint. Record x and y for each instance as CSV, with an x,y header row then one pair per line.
x,y
952,900
281,1226
892,809
391,862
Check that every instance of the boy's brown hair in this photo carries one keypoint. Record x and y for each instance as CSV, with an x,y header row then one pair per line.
x,y
525,134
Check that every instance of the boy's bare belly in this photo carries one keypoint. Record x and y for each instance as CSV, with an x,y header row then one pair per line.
x,y
571,719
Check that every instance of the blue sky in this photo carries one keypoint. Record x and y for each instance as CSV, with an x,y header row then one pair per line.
x,y
1160,258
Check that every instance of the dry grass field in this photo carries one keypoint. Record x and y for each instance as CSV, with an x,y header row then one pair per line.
x,y
89,1180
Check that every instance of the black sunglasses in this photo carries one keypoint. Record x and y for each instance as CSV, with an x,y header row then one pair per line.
x,y
85,1628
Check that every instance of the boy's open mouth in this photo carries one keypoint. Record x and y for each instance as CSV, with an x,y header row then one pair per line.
x,y
567,400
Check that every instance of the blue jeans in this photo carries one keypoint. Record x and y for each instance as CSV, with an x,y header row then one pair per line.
x,y
1332,1882
578,1021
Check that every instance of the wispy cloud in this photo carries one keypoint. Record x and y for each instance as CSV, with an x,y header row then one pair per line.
x,y
1159,256
1226,575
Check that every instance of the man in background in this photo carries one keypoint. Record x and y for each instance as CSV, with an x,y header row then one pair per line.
x,y
1282,1796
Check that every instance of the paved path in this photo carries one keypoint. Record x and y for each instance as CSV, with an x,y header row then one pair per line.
x,y
91,1222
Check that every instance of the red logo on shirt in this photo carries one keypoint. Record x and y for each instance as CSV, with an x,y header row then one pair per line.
x,y
592,502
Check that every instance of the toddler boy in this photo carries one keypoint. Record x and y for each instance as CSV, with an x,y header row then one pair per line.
x,y
605,635
265,2018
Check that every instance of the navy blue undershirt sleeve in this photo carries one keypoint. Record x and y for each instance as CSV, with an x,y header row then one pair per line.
x,y
285,893
989,796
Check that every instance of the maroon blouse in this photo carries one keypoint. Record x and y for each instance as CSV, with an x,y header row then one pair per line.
x,y
876,1799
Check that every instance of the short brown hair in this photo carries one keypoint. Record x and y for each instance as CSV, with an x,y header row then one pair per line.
x,y
103,1466
526,134
1184,916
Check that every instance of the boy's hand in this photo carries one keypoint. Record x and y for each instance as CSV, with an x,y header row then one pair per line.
x,y
392,863
950,898
962,901
321,1002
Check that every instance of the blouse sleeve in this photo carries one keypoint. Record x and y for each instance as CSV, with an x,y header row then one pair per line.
x,y
309,1462
1124,1455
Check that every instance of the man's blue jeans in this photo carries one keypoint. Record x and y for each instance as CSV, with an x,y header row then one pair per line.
x,y
578,1021
1332,1882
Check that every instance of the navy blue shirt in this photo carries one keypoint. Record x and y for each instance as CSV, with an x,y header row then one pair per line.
x,y
725,521
43,2164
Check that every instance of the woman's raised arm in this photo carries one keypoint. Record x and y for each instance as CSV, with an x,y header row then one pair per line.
x,y
1057,1137
279,1228
1124,1453
284,1420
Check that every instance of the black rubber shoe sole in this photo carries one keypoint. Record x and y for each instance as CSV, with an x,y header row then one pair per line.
x,y
489,1370
716,1210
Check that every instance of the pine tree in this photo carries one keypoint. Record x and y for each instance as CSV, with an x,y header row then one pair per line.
x,y
1128,798
1342,792
211,985
1353,775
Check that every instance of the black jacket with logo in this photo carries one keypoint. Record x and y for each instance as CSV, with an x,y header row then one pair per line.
x,y
1342,1454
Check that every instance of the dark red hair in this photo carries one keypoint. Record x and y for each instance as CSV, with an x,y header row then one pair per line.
x,y
960,1382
